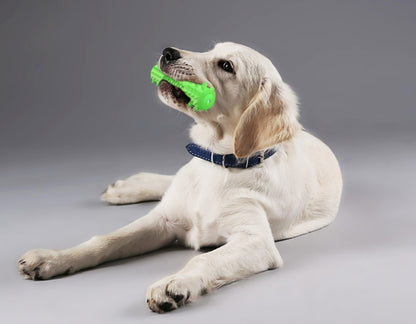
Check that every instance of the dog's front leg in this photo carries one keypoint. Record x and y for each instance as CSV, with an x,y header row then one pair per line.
x,y
243,255
145,234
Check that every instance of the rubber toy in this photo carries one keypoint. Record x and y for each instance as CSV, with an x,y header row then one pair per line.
x,y
201,96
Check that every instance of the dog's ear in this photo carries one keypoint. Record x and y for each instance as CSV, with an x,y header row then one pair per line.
x,y
270,118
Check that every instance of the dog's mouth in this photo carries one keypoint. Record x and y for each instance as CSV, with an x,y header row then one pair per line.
x,y
173,93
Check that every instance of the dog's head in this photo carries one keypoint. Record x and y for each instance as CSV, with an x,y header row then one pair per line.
x,y
253,105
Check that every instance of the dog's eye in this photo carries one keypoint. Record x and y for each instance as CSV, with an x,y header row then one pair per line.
x,y
226,66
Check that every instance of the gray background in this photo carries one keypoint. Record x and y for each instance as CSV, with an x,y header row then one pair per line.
x,y
78,111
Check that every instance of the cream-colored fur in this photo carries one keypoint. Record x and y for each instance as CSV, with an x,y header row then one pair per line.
x,y
242,211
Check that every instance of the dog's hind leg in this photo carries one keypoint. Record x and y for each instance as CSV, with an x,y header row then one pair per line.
x,y
137,188
146,234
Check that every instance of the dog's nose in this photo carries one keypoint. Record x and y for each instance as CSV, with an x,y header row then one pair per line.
x,y
170,54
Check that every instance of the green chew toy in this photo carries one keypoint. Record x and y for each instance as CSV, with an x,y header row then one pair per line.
x,y
202,97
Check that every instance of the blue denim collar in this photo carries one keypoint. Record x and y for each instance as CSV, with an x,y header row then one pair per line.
x,y
229,160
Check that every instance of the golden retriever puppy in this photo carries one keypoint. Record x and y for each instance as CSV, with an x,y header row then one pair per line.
x,y
255,177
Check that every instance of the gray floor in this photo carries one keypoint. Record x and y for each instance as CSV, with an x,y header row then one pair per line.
x,y
358,270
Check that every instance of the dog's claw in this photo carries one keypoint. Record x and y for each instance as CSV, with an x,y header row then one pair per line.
x,y
166,306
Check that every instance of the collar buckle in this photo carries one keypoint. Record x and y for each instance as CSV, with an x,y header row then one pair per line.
x,y
261,157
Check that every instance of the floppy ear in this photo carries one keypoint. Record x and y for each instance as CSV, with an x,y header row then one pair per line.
x,y
270,118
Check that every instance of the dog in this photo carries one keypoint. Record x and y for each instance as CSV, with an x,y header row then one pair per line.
x,y
256,177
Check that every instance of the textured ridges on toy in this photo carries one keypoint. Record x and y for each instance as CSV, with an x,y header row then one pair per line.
x,y
201,96
157,76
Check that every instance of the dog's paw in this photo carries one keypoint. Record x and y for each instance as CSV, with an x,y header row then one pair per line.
x,y
42,264
137,188
118,193
172,292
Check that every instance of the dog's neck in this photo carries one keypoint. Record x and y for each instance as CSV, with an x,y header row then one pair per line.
x,y
213,137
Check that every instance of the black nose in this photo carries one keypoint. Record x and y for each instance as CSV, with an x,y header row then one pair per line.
x,y
170,54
